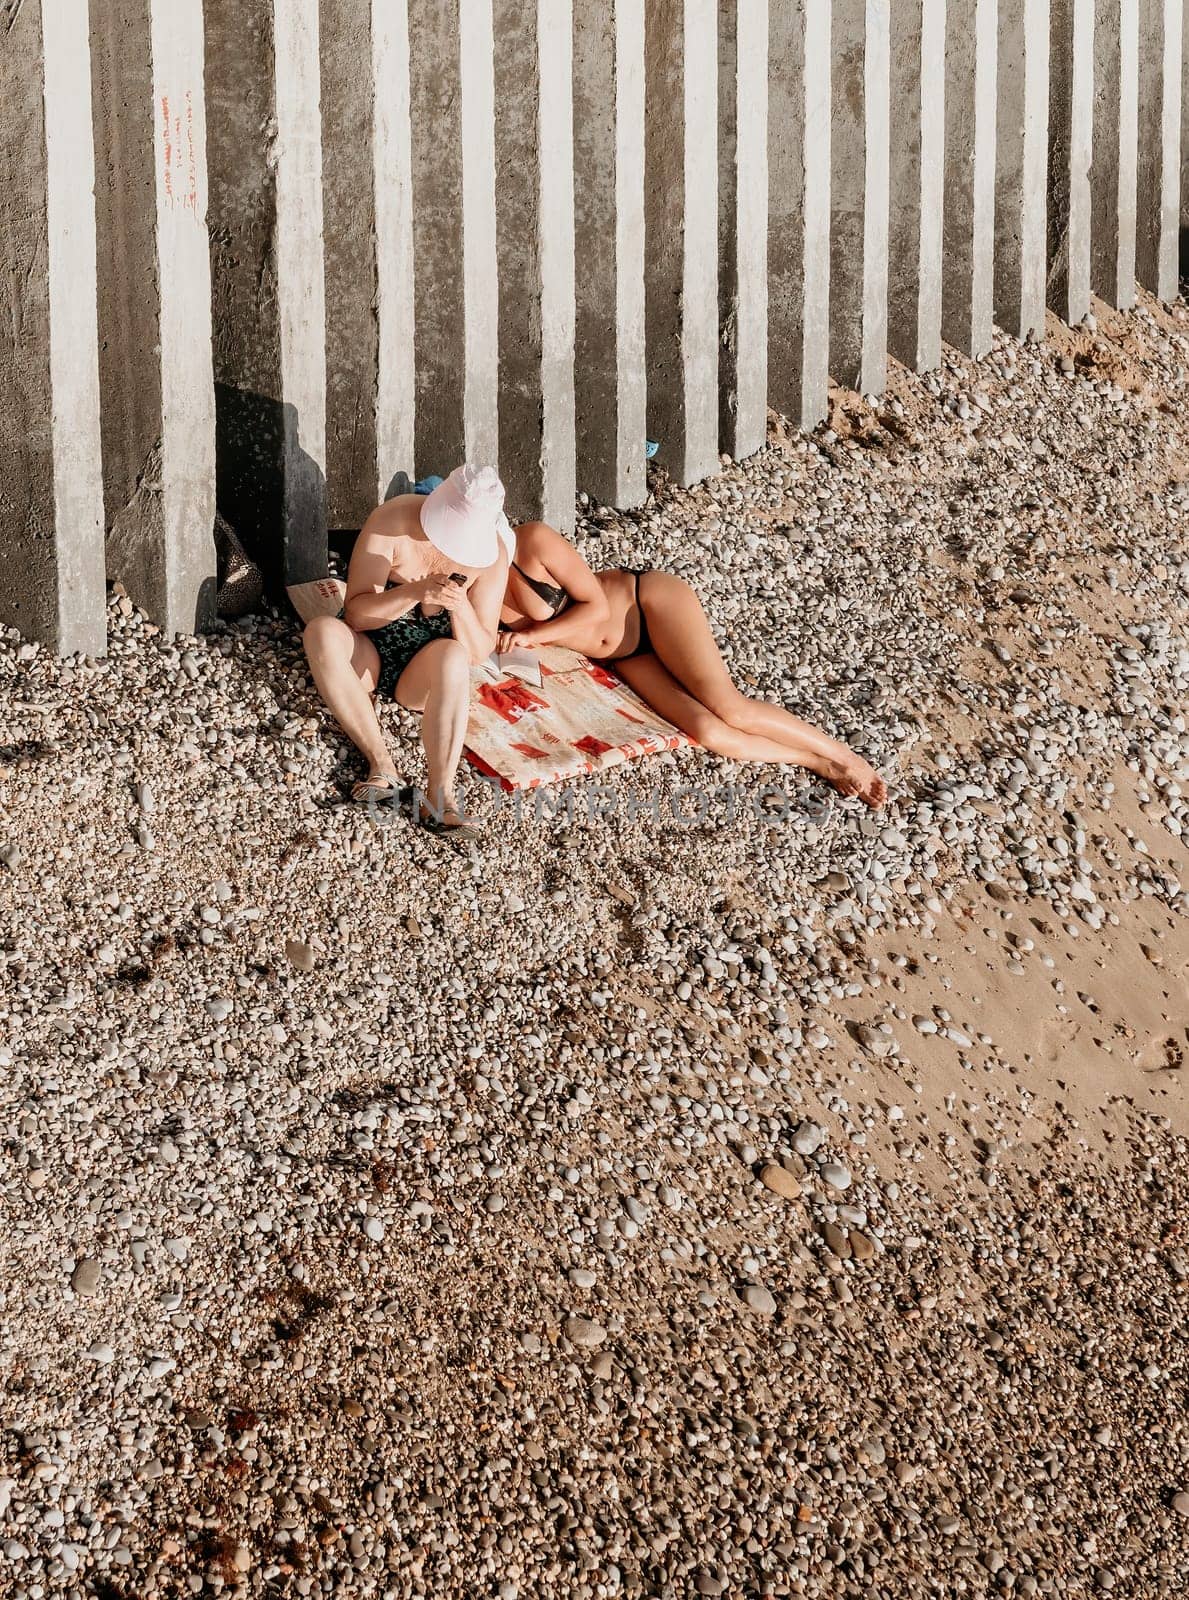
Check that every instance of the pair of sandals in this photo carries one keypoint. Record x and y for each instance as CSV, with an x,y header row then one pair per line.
x,y
386,789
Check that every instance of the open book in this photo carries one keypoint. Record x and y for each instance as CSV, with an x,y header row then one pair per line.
x,y
522,664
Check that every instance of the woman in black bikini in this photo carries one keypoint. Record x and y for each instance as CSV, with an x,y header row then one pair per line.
x,y
652,626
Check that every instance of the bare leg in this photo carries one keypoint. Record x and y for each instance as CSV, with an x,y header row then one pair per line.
x,y
684,645
437,682
346,669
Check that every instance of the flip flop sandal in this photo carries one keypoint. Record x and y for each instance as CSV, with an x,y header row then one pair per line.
x,y
384,789
456,833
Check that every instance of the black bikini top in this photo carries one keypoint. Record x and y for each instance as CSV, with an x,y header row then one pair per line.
x,y
554,597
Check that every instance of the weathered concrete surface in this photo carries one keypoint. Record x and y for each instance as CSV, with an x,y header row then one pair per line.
x,y
969,238
349,103
480,249
264,163
1113,165
51,485
534,119
1185,149
681,233
610,395
392,187
1022,140
799,209
438,278
156,384
859,198
917,174
1071,114
743,225
368,227
1158,179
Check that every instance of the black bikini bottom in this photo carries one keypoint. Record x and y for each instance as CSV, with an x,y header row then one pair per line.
x,y
645,642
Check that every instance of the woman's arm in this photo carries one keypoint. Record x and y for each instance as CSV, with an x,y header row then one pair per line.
x,y
474,612
588,609
368,606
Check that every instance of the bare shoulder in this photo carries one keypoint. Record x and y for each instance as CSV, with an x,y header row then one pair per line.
x,y
396,517
538,540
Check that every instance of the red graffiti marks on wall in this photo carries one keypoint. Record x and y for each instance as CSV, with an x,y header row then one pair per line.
x,y
179,157
168,148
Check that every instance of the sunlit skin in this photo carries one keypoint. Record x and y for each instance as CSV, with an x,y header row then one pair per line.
x,y
392,549
682,675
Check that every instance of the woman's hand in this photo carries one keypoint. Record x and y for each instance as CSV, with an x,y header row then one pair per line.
x,y
507,640
443,592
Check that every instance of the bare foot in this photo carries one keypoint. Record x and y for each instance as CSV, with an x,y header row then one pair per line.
x,y
856,776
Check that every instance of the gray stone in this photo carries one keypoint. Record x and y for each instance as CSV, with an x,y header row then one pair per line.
x,y
84,1280
582,1331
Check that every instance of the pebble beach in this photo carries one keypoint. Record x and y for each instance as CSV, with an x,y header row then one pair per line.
x,y
714,1190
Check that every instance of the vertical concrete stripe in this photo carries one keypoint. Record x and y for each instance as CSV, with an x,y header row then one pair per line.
x,y
876,94
682,234
917,136
186,558
555,136
1184,162
609,230
848,167
439,281
301,285
860,157
699,313
392,166
1158,189
932,182
1081,157
1035,168
1022,163
630,376
743,226
73,329
1113,170
786,226
816,192
968,288
480,264
986,89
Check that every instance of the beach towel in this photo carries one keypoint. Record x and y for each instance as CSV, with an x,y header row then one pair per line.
x,y
582,719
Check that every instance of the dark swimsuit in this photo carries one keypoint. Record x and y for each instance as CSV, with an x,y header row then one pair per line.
x,y
399,641
557,599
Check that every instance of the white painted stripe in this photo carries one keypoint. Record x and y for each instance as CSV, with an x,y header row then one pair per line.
x,y
187,556
301,292
982,288
73,318
816,147
1166,268
1081,155
631,375
479,258
1128,145
392,166
555,135
932,181
1035,166
751,225
876,188
699,310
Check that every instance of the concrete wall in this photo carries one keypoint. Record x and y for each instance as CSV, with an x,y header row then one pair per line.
x,y
291,252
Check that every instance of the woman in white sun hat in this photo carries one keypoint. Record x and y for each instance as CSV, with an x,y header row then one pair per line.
x,y
424,591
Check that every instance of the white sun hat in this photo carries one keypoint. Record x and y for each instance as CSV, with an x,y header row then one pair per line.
x,y
464,517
